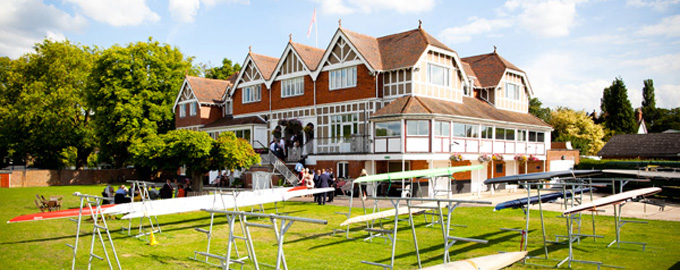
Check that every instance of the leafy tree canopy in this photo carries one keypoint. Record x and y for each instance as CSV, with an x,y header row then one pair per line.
x,y
579,128
223,72
44,113
616,109
649,112
538,111
132,91
194,149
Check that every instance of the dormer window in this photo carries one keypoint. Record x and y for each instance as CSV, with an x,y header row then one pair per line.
x,y
438,75
512,91
251,94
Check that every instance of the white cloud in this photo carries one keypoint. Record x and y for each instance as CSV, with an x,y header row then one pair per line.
x,y
185,11
548,19
667,96
342,7
117,12
659,5
477,26
558,80
668,64
669,27
26,22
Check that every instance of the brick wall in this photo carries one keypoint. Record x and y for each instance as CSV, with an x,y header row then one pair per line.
x,y
260,106
557,155
206,115
307,99
365,88
43,178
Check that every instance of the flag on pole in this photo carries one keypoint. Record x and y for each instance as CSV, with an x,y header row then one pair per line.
x,y
311,24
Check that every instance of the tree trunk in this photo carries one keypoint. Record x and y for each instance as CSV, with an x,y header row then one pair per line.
x,y
197,181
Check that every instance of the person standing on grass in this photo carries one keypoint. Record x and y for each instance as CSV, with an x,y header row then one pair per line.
x,y
331,183
324,180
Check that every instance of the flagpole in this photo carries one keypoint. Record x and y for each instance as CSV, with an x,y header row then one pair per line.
x,y
316,32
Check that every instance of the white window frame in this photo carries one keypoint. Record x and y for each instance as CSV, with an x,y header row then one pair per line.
x,y
342,172
193,108
512,94
420,130
293,87
252,93
387,128
342,78
447,75
182,111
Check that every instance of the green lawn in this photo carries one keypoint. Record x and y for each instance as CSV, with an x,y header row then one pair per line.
x,y
42,244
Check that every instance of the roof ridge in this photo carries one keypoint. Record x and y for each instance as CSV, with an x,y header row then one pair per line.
x,y
417,98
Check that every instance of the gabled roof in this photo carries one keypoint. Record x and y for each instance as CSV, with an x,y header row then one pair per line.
x,y
311,56
393,51
653,145
367,46
471,73
265,64
469,108
208,90
490,68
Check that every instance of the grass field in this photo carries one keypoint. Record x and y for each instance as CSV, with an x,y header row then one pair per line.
x,y
42,244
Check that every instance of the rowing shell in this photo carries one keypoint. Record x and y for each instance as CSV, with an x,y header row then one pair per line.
x,y
534,199
541,176
57,214
489,262
613,199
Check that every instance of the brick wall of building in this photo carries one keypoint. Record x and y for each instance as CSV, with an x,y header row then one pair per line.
x,y
260,106
206,115
365,88
558,154
307,99
43,178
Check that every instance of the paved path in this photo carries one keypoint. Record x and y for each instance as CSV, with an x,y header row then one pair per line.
x,y
670,212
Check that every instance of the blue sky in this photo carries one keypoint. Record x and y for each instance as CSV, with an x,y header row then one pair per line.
x,y
570,49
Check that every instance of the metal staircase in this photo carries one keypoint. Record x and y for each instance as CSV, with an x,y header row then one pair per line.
x,y
278,166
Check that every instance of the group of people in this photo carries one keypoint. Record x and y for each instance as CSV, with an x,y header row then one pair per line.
x,y
322,178
278,147
225,179
125,195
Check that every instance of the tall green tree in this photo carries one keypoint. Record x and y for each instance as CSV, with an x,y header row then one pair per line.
x,y
578,128
223,72
666,119
45,116
538,111
649,103
616,109
131,92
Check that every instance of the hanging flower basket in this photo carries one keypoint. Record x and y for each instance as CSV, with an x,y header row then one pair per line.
x,y
532,158
497,157
484,158
456,157
521,158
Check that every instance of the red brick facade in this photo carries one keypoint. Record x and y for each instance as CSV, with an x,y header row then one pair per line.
x,y
307,99
205,115
365,88
43,178
259,106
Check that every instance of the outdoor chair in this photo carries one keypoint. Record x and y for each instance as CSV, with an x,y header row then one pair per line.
x,y
41,206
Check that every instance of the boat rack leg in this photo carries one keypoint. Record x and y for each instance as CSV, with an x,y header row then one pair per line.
x,y
619,224
96,214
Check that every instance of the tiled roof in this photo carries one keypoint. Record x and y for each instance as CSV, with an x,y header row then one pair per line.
x,y
208,90
310,55
367,46
266,64
230,121
471,107
471,73
653,145
489,68
393,51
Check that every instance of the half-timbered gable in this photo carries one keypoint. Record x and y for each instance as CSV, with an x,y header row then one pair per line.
x,y
292,85
502,83
251,95
199,102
